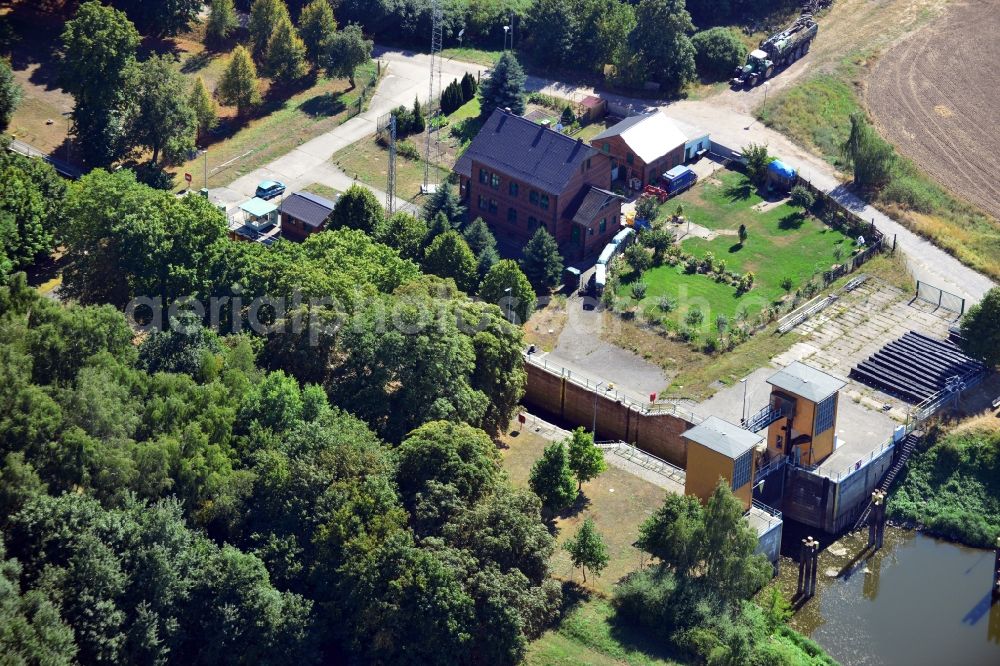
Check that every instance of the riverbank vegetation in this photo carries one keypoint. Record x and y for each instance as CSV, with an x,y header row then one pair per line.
x,y
952,484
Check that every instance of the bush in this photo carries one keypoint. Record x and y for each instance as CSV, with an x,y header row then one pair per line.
x,y
408,149
638,258
711,346
646,208
786,284
802,197
695,317
665,304
718,52
639,291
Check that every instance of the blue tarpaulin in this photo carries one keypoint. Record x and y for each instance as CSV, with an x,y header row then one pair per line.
x,y
780,169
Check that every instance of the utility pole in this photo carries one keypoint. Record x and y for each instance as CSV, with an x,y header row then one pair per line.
x,y
204,151
593,429
390,190
432,142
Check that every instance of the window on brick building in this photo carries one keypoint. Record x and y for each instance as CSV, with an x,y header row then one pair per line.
x,y
604,225
606,147
482,202
484,176
512,215
532,223
495,181
533,197
543,202
493,205
629,157
512,189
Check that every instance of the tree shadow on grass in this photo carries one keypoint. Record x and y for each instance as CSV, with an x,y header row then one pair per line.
x,y
641,639
740,191
197,62
574,595
791,221
327,104
735,247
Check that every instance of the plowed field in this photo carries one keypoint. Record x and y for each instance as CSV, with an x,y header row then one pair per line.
x,y
936,96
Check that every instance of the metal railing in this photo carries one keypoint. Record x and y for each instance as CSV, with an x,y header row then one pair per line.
x,y
773,515
645,460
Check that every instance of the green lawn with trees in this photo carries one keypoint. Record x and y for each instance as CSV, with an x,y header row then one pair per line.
x,y
784,249
825,114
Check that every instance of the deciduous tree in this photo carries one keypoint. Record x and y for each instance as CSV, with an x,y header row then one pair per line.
x,y
587,549
449,256
519,301
585,459
265,15
870,155
756,159
358,208
661,45
405,233
552,479
97,66
718,51
203,105
981,329
10,93
164,122
347,50
238,86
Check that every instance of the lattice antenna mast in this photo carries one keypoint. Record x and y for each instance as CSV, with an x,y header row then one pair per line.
x,y
390,188
432,142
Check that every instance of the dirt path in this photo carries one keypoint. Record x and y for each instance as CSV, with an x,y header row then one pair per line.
x,y
935,96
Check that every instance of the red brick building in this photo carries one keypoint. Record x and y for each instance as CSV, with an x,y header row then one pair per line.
x,y
519,176
641,148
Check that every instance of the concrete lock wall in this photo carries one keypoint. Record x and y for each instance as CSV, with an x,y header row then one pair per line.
x,y
854,491
828,504
769,543
655,433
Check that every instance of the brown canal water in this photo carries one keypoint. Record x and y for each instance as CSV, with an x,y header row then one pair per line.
x,y
917,601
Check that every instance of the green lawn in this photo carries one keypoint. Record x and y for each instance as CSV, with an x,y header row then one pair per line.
x,y
781,243
368,162
476,56
589,635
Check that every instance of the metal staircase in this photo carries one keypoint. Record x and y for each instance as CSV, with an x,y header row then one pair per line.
x,y
905,448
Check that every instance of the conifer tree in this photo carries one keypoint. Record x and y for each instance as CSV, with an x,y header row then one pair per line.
x,y
504,88
542,262
286,53
221,20
203,105
317,26
238,86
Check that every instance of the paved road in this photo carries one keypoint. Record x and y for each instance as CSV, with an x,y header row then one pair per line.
x,y
722,116
406,79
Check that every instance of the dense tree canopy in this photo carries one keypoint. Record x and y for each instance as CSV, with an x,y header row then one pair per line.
x,y
981,329
10,94
97,66
718,52
165,122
